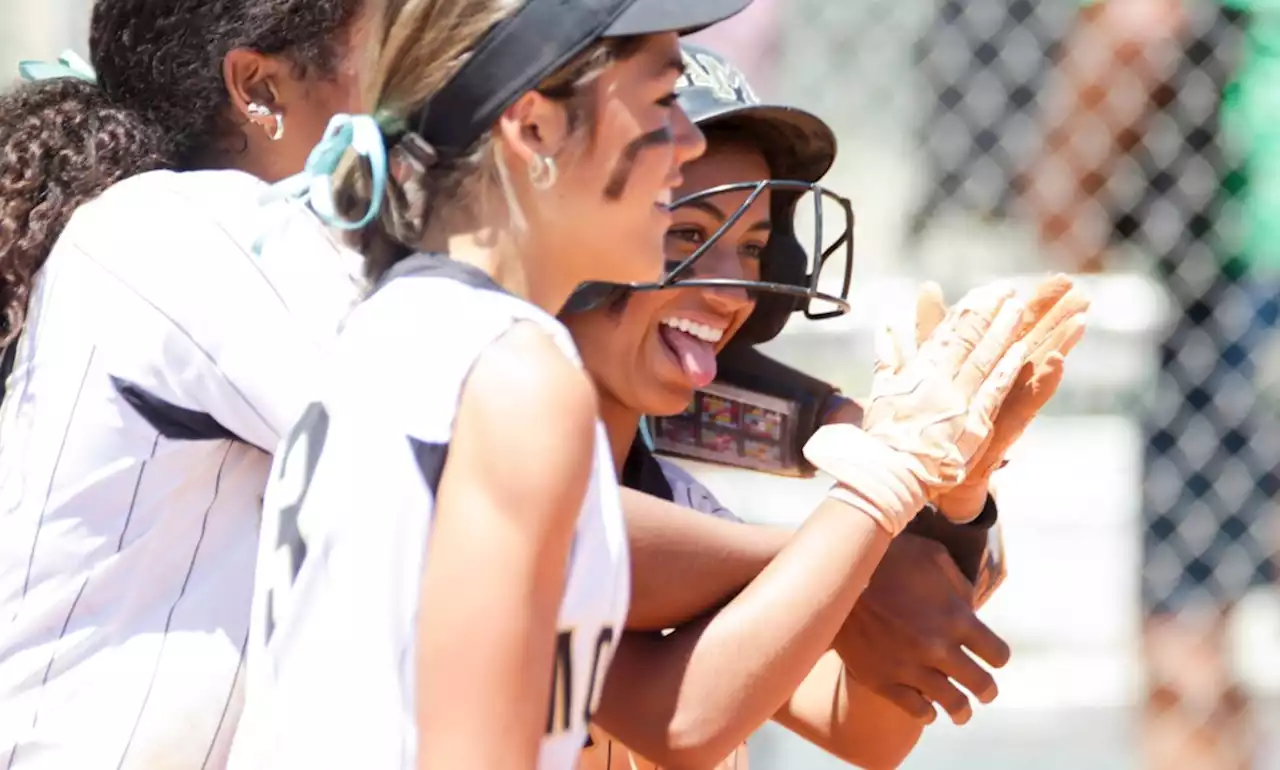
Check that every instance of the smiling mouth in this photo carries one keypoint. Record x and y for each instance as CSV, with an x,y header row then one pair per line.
x,y
704,332
693,347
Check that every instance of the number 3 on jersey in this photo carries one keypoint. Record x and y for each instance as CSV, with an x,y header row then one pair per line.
x,y
284,515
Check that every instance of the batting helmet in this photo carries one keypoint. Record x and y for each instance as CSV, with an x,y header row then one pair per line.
x,y
799,148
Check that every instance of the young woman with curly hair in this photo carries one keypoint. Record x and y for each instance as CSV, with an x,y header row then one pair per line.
x,y
134,437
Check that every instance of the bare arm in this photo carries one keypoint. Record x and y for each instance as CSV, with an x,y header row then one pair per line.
x,y
835,713
1104,89
685,564
684,567
688,699
496,561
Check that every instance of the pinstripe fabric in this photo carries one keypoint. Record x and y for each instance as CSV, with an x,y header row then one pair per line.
x,y
160,359
347,523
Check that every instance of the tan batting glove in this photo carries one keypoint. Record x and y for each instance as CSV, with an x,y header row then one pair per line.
x,y
928,413
1051,326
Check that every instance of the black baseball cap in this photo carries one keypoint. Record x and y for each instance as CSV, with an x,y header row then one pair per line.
x,y
648,17
797,144
541,37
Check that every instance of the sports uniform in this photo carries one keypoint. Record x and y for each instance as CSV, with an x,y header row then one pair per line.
x,y
724,422
347,523
161,361
349,507
799,148
661,478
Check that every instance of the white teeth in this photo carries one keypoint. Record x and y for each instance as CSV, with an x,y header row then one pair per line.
x,y
703,332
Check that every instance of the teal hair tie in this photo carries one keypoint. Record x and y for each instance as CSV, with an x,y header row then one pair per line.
x,y
645,435
68,65
356,133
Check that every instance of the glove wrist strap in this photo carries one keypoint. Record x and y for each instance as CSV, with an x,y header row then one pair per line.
x,y
873,478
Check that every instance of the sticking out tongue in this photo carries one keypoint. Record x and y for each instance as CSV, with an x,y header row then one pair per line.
x,y
697,358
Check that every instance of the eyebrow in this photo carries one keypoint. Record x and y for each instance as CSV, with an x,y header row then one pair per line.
x,y
672,64
710,208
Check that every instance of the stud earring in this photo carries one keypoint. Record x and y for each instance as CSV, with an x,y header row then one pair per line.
x,y
542,172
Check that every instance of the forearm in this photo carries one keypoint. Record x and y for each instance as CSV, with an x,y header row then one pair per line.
x,y
835,713
685,564
473,652
498,559
704,688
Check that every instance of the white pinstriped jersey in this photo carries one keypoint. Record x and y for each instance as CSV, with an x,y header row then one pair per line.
x,y
605,753
346,523
161,358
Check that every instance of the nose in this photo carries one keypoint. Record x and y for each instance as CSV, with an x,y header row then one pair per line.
x,y
721,261
690,143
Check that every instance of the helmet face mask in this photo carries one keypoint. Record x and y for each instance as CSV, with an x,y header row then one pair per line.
x,y
799,148
789,272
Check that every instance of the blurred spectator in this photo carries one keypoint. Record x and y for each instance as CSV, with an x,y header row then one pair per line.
x,y
984,63
1173,95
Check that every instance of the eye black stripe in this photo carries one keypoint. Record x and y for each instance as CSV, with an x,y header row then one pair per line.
x,y
626,164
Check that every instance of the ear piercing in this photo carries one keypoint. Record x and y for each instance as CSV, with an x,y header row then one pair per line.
x,y
261,112
543,172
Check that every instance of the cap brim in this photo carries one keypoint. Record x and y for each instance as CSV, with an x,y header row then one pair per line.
x,y
798,144
648,17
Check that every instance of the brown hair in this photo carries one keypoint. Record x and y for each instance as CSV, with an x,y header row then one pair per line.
x,y
427,42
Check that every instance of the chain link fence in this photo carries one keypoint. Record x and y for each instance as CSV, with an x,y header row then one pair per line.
x,y
1139,139
1135,140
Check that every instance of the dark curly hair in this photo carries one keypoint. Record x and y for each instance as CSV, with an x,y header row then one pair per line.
x,y
160,102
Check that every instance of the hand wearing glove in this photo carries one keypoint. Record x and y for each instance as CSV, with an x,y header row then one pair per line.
x,y
929,414
1052,325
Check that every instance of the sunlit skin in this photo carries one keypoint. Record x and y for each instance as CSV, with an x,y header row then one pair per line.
x,y
508,500
304,99
640,364
606,215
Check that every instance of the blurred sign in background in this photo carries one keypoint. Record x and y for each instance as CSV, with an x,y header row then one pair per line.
x,y
944,110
